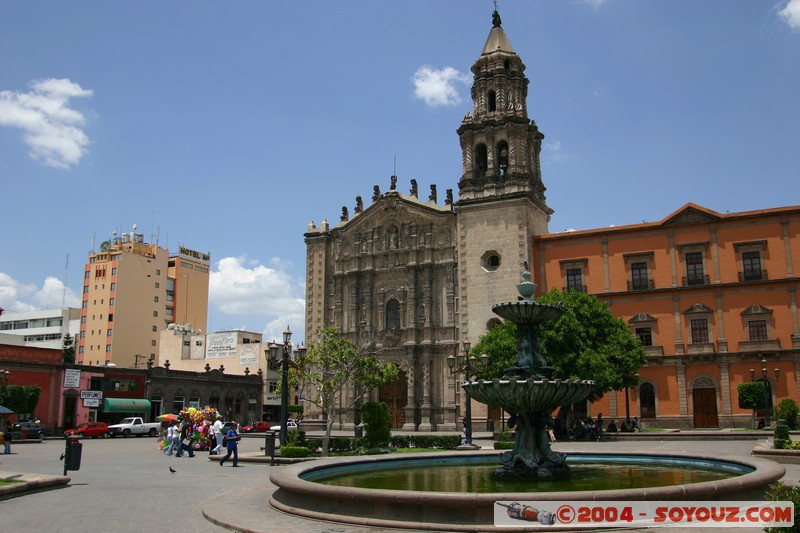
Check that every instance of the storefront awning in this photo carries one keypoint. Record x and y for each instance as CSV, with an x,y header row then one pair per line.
x,y
125,405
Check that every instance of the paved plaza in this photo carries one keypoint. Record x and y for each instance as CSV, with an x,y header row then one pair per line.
x,y
126,485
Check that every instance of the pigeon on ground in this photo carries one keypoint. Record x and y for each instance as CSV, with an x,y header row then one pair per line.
x,y
172,470
62,457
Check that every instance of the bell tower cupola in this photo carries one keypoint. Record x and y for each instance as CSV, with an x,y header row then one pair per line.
x,y
500,145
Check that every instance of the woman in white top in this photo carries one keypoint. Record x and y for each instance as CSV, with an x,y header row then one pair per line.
x,y
170,439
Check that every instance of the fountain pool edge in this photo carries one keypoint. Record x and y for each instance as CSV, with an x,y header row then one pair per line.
x,y
449,511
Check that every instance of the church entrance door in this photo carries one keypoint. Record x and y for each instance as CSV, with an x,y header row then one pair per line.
x,y
705,408
395,395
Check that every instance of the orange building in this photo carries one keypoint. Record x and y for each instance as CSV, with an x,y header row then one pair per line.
x,y
710,295
132,290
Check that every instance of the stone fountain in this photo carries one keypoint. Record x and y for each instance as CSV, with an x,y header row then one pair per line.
x,y
465,500
528,392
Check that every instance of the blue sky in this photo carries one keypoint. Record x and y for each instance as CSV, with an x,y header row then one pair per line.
x,y
227,127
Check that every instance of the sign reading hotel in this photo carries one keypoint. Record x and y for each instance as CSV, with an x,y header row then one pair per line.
x,y
196,256
220,345
248,354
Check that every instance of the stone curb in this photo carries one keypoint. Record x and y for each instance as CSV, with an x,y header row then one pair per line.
x,y
766,451
29,483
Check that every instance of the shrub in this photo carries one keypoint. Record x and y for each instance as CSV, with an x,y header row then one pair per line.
x,y
503,445
780,492
505,436
788,411
375,416
296,437
294,451
781,438
400,441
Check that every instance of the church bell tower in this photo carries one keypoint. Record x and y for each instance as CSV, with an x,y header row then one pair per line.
x,y
501,202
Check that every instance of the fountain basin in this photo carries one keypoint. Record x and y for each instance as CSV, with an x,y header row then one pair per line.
x,y
527,311
522,396
470,511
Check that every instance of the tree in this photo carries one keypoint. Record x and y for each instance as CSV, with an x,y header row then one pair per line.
x,y
586,342
68,349
379,431
751,396
21,399
331,364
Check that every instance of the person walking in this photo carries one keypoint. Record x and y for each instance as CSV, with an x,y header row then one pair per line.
x,y
232,443
217,429
170,439
8,439
185,443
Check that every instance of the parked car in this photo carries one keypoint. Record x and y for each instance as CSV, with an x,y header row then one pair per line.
x,y
291,425
32,430
89,429
134,425
259,426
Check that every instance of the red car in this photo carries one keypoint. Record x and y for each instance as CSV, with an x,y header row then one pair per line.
x,y
258,426
89,429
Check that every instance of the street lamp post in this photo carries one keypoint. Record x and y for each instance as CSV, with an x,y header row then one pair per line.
x,y
274,352
468,365
767,387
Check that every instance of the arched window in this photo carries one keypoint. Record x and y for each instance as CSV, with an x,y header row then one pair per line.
x,y
502,158
392,314
492,102
647,400
481,160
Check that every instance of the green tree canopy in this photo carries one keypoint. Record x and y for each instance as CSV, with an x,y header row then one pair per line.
x,y
332,364
21,399
586,342
68,349
751,395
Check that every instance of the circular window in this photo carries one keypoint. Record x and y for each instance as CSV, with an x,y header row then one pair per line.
x,y
490,261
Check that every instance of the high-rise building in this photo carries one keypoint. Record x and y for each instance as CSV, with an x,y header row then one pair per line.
x,y
131,291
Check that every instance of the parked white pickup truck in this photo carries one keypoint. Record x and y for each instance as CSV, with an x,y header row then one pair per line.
x,y
134,425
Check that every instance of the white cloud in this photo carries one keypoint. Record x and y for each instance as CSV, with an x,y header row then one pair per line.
x,y
17,297
247,288
594,3
552,151
437,87
238,287
791,14
53,131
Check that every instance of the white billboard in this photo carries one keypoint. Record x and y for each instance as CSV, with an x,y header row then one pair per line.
x,y
248,354
220,345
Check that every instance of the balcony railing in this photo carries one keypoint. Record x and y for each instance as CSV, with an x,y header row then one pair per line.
x,y
640,284
654,351
691,281
759,346
700,347
753,275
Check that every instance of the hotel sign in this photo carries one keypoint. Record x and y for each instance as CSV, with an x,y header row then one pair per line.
x,y
197,256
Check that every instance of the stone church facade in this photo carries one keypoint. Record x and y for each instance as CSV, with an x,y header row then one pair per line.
x,y
412,279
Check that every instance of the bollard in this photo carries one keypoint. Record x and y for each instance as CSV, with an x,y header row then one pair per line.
x,y
269,445
72,454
